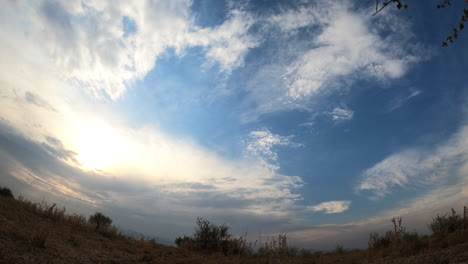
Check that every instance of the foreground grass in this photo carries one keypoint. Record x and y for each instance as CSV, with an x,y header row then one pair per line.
x,y
42,233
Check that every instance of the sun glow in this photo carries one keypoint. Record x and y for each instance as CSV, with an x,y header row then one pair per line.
x,y
98,146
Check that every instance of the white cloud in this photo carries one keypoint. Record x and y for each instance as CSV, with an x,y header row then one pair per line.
x,y
261,143
337,45
346,46
88,44
228,43
331,207
307,124
414,93
293,19
401,100
342,114
417,166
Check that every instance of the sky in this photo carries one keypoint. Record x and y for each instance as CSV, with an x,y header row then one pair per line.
x,y
311,118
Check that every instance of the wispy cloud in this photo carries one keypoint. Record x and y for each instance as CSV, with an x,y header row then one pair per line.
x,y
38,101
307,124
341,114
261,143
344,45
332,207
227,44
290,20
416,166
400,101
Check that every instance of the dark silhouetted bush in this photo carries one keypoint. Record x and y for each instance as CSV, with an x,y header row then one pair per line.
x,y
209,236
101,221
398,240
5,192
214,238
183,241
446,224
277,247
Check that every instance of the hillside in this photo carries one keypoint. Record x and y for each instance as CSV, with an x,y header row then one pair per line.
x,y
42,233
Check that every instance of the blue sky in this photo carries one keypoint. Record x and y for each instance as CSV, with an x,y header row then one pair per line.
x,y
307,117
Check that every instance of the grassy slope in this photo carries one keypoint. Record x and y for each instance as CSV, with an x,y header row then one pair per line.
x,y
31,235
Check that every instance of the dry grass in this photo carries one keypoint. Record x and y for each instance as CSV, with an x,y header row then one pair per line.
x,y
43,233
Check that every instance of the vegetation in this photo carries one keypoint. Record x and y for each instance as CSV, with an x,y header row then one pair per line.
x,y
449,224
101,221
396,241
446,231
43,233
5,192
209,237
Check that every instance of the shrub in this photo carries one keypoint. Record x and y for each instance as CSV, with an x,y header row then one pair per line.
x,y
339,249
5,192
110,231
101,221
153,242
183,241
78,221
277,247
390,237
305,253
53,212
214,238
396,238
398,241
446,224
211,237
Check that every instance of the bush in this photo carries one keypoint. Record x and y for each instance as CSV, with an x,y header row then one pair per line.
x,y
277,247
153,242
101,221
110,231
398,239
391,237
78,221
214,238
5,192
209,236
447,224
339,249
183,241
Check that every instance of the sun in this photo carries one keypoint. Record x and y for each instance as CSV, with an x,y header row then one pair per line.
x,y
98,146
